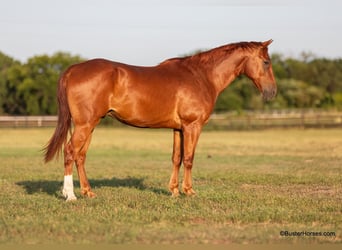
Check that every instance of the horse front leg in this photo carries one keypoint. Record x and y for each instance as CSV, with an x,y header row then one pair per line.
x,y
177,157
191,134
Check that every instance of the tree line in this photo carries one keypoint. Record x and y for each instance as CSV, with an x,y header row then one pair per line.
x,y
308,82
30,88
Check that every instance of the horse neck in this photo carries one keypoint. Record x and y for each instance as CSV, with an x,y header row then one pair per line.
x,y
222,68
226,70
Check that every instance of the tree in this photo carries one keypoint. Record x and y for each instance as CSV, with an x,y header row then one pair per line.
x,y
6,89
326,73
299,94
32,86
227,101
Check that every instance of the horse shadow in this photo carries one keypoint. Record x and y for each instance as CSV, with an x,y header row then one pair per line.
x,y
54,188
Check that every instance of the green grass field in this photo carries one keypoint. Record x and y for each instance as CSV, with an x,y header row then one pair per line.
x,y
250,186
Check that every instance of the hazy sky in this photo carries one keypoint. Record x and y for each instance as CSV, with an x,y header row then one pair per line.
x,y
146,32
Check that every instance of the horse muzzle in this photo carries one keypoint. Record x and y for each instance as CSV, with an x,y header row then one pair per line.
x,y
269,93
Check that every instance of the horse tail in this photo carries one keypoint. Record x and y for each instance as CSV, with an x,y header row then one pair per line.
x,y
60,135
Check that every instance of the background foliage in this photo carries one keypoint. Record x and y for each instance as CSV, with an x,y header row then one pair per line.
x,y
308,82
30,88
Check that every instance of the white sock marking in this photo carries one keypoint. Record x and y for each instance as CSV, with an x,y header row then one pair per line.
x,y
68,188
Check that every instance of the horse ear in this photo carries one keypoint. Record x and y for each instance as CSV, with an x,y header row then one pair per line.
x,y
266,43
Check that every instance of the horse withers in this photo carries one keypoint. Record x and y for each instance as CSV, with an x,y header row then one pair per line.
x,y
179,93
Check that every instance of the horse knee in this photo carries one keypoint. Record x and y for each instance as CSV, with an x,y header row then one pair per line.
x,y
177,159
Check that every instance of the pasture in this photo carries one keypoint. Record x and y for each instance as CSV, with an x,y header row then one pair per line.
x,y
250,186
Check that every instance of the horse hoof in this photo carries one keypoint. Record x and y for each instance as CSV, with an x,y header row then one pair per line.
x,y
70,198
91,194
68,195
189,192
175,194
174,191
88,193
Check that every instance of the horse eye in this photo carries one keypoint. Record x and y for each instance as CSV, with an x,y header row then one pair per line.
x,y
266,62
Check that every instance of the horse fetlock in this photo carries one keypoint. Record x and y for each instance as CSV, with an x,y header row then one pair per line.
x,y
68,188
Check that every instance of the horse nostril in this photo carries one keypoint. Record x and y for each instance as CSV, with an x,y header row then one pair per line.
x,y
274,92
268,94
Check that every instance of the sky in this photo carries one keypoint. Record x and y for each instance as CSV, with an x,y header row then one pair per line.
x,y
146,32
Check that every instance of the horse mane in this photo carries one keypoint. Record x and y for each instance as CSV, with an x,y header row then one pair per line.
x,y
217,53
225,50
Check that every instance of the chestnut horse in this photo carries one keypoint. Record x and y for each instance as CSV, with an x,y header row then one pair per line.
x,y
179,93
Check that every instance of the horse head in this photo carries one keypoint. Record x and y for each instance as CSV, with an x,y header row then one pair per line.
x,y
258,67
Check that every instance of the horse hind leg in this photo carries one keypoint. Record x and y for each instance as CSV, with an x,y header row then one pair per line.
x,y
80,163
68,185
75,151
